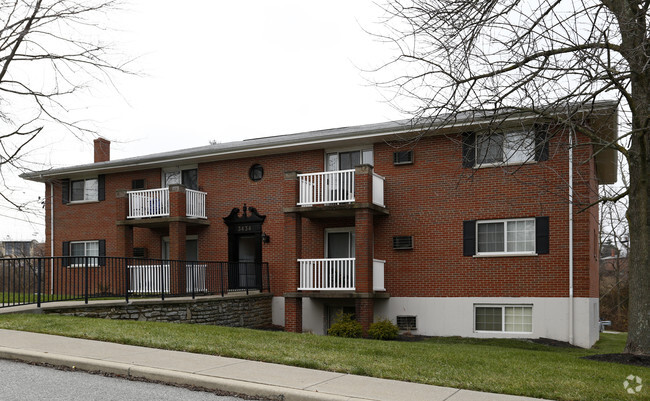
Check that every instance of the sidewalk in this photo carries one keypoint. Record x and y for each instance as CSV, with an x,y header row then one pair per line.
x,y
225,374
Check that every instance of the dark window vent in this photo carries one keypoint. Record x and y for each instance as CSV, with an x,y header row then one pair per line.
x,y
137,184
140,252
407,323
403,157
403,242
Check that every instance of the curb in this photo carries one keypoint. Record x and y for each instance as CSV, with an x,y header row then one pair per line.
x,y
172,376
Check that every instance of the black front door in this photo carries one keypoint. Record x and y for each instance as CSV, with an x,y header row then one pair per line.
x,y
244,248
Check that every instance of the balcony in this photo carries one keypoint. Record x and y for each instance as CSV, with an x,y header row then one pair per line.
x,y
339,193
336,274
335,187
151,203
327,274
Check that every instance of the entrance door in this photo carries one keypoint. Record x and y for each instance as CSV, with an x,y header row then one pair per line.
x,y
245,256
247,247
339,244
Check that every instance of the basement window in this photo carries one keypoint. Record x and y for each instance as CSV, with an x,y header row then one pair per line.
x,y
503,318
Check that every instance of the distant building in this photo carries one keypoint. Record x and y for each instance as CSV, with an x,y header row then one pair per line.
x,y
21,249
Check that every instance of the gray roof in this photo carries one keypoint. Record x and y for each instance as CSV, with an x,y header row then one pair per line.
x,y
335,137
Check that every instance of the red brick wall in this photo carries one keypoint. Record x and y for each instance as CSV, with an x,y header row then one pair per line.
x,y
431,198
428,200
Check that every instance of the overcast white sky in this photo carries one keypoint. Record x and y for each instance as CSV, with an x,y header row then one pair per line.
x,y
222,71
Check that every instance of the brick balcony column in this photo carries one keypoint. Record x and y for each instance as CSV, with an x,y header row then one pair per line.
x,y
177,238
124,244
292,252
177,201
363,243
363,226
364,311
363,183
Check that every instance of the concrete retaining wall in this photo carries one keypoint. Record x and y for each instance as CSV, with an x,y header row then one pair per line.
x,y
252,311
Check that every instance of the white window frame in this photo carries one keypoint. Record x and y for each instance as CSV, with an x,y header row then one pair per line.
x,y
505,251
507,159
503,317
350,230
362,150
91,262
85,198
175,169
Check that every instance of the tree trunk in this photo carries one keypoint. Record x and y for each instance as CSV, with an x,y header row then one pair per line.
x,y
638,215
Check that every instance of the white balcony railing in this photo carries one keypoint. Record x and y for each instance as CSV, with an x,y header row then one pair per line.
x,y
378,275
325,188
148,203
155,203
378,189
147,279
195,203
327,274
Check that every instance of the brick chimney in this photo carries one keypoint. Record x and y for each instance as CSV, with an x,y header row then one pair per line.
x,y
102,150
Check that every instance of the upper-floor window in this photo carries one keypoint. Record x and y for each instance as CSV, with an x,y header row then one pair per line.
x,y
347,160
503,148
505,237
84,190
187,176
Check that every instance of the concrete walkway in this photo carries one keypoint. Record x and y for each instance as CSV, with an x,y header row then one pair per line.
x,y
225,374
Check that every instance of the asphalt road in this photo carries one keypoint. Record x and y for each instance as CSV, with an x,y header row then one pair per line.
x,y
21,381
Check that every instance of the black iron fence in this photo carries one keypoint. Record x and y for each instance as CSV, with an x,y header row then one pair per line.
x,y
37,280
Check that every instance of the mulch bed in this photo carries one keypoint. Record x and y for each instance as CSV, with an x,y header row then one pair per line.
x,y
627,359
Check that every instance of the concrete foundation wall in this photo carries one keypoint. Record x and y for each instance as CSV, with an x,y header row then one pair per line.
x,y
455,316
252,311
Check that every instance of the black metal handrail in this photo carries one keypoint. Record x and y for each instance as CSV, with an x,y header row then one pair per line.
x,y
48,279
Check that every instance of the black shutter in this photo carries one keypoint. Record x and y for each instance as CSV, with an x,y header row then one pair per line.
x,y
65,262
541,142
65,191
101,184
469,238
469,151
541,235
102,252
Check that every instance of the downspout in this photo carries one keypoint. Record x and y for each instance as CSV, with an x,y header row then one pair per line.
x,y
51,237
571,236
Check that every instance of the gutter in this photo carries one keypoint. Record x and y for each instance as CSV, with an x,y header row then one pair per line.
x,y
51,237
571,312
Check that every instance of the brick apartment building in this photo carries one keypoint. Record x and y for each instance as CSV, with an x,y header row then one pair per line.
x,y
464,232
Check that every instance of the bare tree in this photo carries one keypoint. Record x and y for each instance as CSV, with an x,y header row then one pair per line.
x,y
50,50
538,57
614,248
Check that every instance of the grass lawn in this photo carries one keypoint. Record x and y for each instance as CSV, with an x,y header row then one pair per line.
x,y
500,366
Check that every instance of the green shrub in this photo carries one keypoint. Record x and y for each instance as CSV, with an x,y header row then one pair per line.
x,y
345,326
383,330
